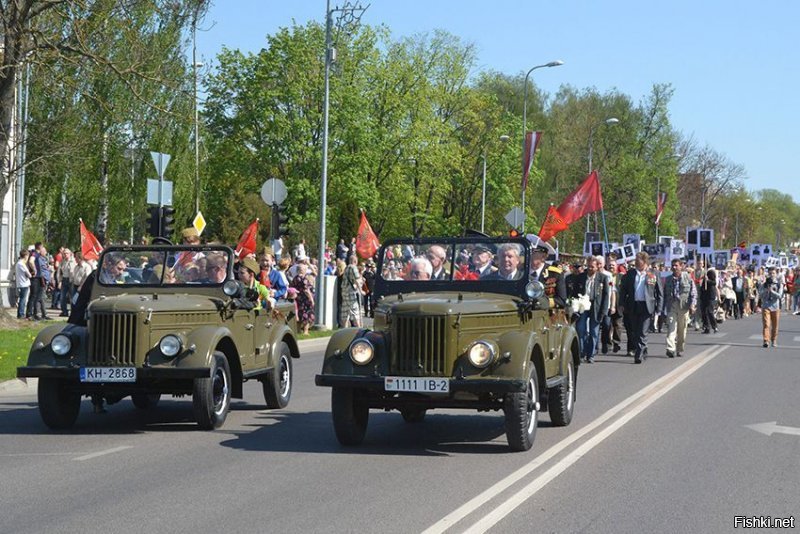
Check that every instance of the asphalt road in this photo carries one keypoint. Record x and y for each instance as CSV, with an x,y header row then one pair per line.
x,y
661,447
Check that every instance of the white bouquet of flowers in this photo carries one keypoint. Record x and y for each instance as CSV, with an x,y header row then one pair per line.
x,y
579,304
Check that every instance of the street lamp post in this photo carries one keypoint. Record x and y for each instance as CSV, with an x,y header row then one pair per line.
x,y
131,153
350,14
503,138
556,63
195,66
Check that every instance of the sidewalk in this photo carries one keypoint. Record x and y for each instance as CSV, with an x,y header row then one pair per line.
x,y
27,386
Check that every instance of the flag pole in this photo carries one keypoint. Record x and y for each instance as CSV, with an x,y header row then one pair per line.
x,y
658,198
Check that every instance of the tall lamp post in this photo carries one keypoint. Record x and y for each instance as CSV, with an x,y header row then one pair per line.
x,y
610,122
556,63
132,153
348,16
195,66
503,138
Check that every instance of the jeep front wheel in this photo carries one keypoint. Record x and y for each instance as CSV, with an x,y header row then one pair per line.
x,y
211,398
350,416
277,385
561,401
58,407
522,414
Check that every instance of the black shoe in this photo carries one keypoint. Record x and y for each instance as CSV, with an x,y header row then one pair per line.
x,y
765,345
589,360
706,331
680,355
715,330
637,360
616,348
670,354
63,315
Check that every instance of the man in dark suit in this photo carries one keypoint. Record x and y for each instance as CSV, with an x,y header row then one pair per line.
x,y
595,285
482,260
640,296
555,288
508,256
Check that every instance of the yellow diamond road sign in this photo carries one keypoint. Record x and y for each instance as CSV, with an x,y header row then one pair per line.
x,y
199,222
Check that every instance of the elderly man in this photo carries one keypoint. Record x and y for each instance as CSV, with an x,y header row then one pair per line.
x,y
508,262
482,260
437,255
680,299
595,285
639,296
420,269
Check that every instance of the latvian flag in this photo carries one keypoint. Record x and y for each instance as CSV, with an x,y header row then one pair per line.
x,y
662,200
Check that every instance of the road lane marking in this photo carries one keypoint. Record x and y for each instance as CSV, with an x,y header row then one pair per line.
x,y
757,337
774,428
797,339
102,453
481,499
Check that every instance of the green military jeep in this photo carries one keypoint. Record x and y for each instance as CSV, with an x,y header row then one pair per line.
x,y
185,329
459,323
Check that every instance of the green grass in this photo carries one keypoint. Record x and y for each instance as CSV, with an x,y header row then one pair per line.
x,y
313,334
14,349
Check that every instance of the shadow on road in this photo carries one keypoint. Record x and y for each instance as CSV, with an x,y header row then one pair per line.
x,y
387,434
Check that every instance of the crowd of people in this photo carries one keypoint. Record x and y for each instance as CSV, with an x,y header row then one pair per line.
x,y
643,298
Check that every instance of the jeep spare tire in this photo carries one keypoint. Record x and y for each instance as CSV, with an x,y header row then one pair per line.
x,y
211,398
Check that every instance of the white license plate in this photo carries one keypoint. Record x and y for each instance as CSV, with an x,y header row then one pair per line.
x,y
108,374
417,384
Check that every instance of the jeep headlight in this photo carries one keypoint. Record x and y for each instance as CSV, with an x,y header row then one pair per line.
x,y
230,288
361,351
170,345
481,354
61,344
534,289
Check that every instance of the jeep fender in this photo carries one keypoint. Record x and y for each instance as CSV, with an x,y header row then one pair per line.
x,y
206,340
337,360
278,334
568,339
41,354
522,347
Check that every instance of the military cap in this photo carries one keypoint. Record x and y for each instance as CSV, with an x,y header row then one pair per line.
x,y
480,247
250,263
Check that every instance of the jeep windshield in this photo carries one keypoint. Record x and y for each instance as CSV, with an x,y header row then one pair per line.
x,y
454,264
164,266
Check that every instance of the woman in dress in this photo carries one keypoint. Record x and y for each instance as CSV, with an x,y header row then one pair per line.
x,y
305,297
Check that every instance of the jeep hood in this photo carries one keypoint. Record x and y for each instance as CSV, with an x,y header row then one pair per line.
x,y
133,303
449,303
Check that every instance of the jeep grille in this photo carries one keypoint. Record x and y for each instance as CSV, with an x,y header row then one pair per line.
x,y
112,339
419,346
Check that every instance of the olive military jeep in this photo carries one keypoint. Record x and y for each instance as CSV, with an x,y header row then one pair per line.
x,y
187,329
450,335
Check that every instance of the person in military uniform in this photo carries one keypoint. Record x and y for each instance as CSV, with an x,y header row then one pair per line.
x,y
256,293
555,288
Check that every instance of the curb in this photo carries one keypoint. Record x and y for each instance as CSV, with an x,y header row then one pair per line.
x,y
18,386
27,386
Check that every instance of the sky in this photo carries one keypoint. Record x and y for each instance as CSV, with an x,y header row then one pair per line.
x,y
734,65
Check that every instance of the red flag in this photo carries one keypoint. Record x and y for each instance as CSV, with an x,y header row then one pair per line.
x,y
586,199
247,242
90,246
531,144
366,241
662,200
553,223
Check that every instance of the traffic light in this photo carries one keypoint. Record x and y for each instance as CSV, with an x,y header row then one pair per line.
x,y
154,221
167,221
513,232
278,226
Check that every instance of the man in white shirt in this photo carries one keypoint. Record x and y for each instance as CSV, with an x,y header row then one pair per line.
x,y
639,296
23,283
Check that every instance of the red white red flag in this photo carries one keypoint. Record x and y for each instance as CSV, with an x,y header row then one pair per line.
x,y
247,242
90,246
366,241
662,200
586,199
553,224
531,144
